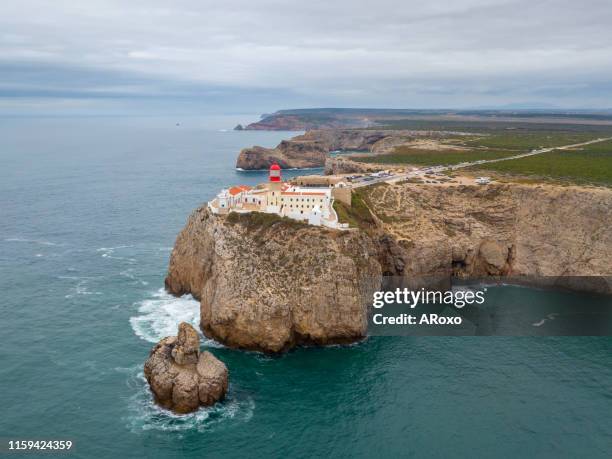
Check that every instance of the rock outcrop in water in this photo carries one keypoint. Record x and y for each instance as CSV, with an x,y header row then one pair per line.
x,y
181,377
268,284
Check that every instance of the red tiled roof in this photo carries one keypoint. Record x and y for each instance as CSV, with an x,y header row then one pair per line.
x,y
238,189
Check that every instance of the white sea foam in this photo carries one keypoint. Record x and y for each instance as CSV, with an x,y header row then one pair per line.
x,y
145,414
80,288
129,273
109,252
31,241
545,319
160,315
103,249
157,317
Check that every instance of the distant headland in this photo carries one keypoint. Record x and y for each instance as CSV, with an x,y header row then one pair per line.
x,y
343,118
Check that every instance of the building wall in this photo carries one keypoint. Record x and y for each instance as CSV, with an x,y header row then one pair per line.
x,y
296,203
314,217
317,180
303,204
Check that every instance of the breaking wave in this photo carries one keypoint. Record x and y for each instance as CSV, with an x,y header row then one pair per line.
x,y
160,315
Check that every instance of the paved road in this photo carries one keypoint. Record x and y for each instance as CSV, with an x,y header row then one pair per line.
x,y
434,169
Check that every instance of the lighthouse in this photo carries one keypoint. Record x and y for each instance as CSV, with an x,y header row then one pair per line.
x,y
275,173
275,186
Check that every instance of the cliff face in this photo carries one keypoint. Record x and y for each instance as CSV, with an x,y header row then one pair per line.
x,y
302,153
269,284
311,149
277,122
499,230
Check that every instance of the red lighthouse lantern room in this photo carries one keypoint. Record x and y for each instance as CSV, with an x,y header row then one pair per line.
x,y
275,173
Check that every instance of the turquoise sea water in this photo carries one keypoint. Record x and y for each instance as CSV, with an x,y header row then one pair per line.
x,y
89,210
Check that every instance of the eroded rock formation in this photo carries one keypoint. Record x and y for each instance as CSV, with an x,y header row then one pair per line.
x,y
181,377
497,230
288,154
312,148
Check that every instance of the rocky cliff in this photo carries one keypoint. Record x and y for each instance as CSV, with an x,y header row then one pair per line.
x,y
277,122
294,153
560,233
267,283
312,148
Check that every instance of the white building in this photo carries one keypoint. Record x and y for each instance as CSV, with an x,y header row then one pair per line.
x,y
313,205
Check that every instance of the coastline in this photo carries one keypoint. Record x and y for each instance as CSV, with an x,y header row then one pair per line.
x,y
57,275
426,236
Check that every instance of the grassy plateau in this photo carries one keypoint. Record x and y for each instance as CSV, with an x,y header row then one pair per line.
x,y
591,164
588,164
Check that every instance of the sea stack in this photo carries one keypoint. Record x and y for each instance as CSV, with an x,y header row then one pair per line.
x,y
181,377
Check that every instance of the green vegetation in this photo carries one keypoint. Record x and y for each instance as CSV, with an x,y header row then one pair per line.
x,y
487,125
530,140
261,220
488,146
591,164
372,196
408,155
358,215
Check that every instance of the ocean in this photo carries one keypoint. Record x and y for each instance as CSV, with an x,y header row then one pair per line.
x,y
89,210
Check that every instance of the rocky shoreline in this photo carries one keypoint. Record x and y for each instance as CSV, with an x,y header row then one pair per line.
x,y
270,285
313,148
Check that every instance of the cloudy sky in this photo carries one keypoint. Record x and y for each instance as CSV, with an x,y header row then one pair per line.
x,y
238,56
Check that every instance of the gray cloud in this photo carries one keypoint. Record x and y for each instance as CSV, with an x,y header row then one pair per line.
x,y
274,54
